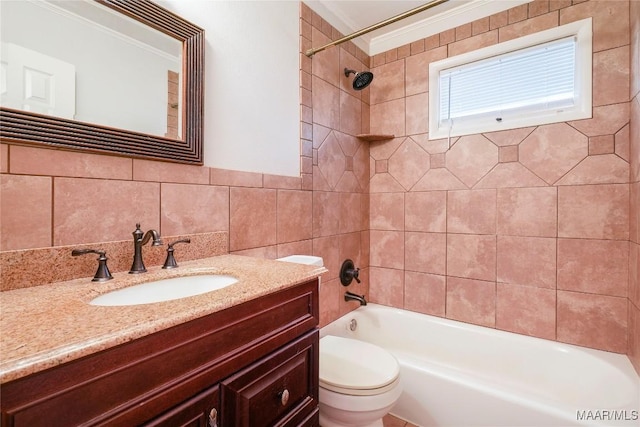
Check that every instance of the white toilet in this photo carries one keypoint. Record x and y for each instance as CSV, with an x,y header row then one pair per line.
x,y
359,383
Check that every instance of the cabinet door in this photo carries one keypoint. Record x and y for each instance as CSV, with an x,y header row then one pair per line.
x,y
279,390
199,411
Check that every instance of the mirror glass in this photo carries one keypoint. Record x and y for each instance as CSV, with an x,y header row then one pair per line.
x,y
94,65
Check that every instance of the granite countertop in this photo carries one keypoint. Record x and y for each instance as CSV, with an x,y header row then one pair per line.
x,y
45,326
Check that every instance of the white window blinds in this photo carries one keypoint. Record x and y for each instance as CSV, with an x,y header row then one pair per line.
x,y
539,78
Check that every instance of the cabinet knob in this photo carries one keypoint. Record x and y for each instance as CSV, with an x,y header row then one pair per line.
x,y
213,418
284,397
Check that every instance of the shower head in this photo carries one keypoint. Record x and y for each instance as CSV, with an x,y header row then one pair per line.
x,y
361,80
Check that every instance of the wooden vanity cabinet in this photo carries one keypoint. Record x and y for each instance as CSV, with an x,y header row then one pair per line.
x,y
253,364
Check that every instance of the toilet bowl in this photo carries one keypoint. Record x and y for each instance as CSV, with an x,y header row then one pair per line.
x,y
359,383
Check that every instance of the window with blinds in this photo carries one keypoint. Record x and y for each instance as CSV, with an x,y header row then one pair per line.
x,y
543,78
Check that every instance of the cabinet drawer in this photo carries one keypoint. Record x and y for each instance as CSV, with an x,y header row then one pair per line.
x,y
199,411
279,390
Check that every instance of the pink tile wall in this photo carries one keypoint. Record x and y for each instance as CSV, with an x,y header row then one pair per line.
x,y
339,161
56,199
527,230
53,200
633,154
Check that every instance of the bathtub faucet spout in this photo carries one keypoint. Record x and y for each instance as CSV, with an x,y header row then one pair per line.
x,y
350,296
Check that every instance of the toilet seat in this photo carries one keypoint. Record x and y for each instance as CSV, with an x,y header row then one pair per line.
x,y
356,368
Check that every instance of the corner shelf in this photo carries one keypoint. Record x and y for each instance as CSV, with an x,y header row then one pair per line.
x,y
374,137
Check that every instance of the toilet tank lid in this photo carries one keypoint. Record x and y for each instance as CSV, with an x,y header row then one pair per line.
x,y
351,364
303,259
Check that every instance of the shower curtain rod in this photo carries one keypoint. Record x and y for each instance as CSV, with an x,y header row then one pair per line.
x,y
373,27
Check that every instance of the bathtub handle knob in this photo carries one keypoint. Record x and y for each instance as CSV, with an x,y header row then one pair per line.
x,y
284,397
348,272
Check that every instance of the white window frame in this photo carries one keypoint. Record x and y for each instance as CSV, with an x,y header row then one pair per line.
x,y
581,30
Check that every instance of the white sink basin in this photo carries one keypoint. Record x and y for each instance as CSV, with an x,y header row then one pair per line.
x,y
165,290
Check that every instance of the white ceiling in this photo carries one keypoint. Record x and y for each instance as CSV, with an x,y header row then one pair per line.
x,y
348,16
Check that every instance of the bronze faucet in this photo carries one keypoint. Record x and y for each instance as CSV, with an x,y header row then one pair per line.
x,y
139,240
350,296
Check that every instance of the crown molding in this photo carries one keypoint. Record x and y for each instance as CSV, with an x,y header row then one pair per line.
x,y
381,41
463,14
331,14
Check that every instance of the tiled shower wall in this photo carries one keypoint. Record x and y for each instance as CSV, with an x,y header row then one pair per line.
x,y
526,230
634,189
332,115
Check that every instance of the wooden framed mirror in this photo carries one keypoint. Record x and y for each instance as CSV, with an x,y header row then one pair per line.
x,y
26,127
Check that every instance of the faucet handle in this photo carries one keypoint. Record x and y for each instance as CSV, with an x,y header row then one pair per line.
x,y
170,262
102,273
356,274
348,272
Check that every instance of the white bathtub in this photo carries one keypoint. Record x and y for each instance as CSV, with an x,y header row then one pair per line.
x,y
457,374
